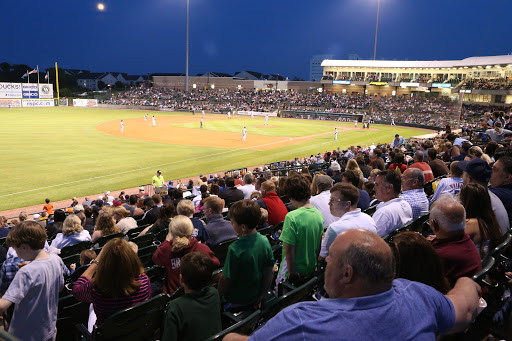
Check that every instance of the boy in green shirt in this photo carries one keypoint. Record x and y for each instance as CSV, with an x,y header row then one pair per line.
x,y
302,232
196,315
247,273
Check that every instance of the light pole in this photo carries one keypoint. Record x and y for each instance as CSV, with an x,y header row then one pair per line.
x,y
186,66
376,28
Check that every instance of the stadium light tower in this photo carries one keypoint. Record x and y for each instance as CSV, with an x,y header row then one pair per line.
x,y
186,65
376,29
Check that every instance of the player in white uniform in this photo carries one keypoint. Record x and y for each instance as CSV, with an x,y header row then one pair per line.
x,y
229,115
122,126
244,133
146,118
252,114
201,122
393,122
266,119
203,114
335,134
355,124
154,121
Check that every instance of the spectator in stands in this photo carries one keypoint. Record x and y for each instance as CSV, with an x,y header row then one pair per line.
x,y
272,203
450,185
423,166
464,151
458,253
353,166
481,224
438,167
369,187
105,225
179,242
48,207
4,230
114,281
195,315
165,215
498,133
351,177
86,256
501,182
398,162
490,149
231,194
35,287
158,181
363,167
408,248
397,141
248,186
89,221
135,212
478,171
336,169
413,193
476,152
247,273
58,220
258,183
72,233
343,205
302,232
392,212
321,201
123,220
186,208
377,162
359,274
22,216
217,229
152,212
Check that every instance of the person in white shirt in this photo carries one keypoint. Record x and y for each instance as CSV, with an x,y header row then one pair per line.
x,y
248,186
343,204
393,212
450,185
335,134
266,119
321,200
412,192
145,118
154,121
397,141
244,133
122,126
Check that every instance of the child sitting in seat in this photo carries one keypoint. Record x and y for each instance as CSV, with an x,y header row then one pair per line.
x,y
247,273
196,315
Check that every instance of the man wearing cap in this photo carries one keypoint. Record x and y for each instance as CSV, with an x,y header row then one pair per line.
x,y
478,171
343,205
501,182
336,168
397,141
321,201
157,181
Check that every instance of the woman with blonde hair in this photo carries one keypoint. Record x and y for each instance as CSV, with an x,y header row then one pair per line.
x,y
476,152
119,282
105,225
123,220
23,216
353,166
498,133
72,233
178,243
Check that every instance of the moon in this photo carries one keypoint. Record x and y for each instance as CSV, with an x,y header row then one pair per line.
x,y
100,6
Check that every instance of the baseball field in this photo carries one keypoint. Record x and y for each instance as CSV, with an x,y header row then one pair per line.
x,y
64,152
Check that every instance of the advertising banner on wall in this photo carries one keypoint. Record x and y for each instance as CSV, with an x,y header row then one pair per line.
x,y
30,90
340,82
14,103
32,103
80,102
257,113
409,84
10,90
45,90
441,85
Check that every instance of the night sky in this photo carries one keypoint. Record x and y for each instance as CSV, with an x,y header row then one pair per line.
x,y
268,36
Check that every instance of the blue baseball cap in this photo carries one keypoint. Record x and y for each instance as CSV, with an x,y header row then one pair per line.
x,y
478,169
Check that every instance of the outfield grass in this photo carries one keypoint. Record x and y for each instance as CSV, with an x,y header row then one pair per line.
x,y
59,153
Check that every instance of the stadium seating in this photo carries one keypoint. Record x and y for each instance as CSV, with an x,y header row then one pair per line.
x,y
74,249
244,327
101,241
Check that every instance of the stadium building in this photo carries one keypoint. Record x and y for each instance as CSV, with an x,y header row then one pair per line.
x,y
479,79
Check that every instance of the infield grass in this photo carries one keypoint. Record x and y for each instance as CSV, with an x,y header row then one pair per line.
x,y
58,152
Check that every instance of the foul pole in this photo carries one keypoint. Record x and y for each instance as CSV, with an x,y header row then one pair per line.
x,y
57,80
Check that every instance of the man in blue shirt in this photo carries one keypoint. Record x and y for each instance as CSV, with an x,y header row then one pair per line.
x,y
397,141
367,304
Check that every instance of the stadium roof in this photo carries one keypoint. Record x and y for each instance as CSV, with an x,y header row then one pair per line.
x,y
467,62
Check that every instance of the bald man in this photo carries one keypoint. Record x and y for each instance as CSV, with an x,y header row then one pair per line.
x,y
457,251
366,303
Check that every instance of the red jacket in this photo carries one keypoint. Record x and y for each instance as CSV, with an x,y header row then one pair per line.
x,y
165,257
275,207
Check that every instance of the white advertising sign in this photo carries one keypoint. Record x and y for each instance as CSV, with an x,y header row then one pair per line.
x,y
38,103
15,103
29,90
45,90
81,102
257,113
10,90
406,84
